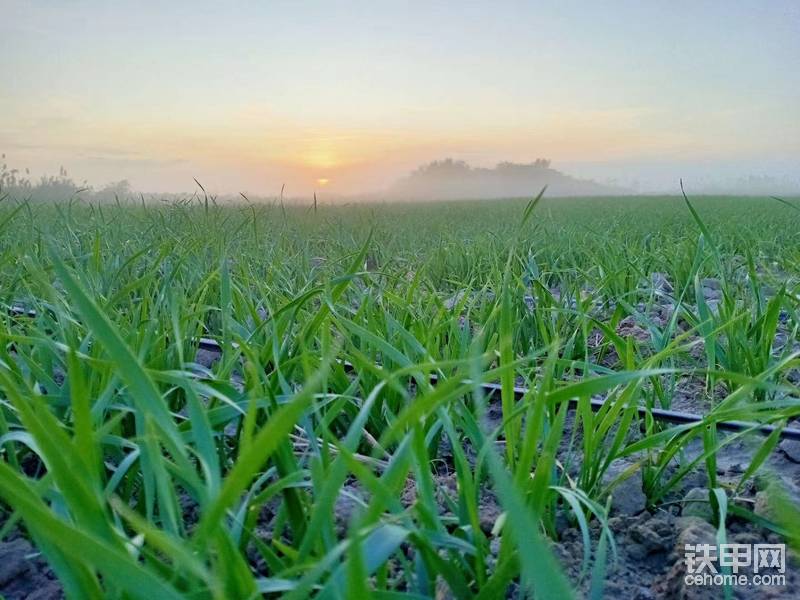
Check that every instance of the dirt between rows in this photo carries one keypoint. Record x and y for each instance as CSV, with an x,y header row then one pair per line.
x,y
651,544
24,574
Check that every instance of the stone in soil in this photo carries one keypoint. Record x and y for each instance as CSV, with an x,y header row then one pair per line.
x,y
696,504
13,560
711,283
653,535
24,575
629,327
693,531
349,503
644,543
50,591
791,448
660,283
454,300
627,498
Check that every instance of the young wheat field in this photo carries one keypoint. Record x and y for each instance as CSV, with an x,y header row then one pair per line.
x,y
216,401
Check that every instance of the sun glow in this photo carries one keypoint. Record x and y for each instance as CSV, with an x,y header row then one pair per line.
x,y
323,156
323,181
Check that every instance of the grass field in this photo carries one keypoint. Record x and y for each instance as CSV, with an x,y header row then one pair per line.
x,y
315,455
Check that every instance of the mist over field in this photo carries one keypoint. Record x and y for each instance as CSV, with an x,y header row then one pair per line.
x,y
346,100
445,179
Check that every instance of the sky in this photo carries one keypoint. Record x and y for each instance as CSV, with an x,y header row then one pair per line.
x,y
345,97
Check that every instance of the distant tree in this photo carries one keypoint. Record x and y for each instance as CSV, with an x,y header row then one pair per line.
x,y
117,189
448,166
539,163
48,188
450,178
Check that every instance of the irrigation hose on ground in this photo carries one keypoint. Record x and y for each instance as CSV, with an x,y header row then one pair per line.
x,y
659,414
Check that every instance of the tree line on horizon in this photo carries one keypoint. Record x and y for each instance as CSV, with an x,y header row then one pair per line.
x,y
456,179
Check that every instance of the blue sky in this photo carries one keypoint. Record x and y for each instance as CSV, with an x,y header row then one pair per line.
x,y
254,94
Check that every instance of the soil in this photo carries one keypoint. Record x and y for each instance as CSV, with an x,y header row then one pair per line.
x,y
24,574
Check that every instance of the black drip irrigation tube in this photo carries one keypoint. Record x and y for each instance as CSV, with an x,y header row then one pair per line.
x,y
659,414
